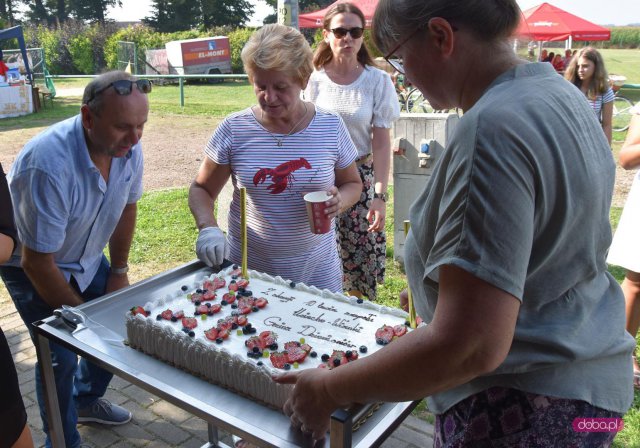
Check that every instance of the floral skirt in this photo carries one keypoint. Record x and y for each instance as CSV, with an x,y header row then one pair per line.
x,y
363,253
501,417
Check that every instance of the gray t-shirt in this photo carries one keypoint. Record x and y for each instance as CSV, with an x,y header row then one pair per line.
x,y
520,199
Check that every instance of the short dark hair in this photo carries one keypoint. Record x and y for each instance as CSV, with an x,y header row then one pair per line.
x,y
488,20
100,83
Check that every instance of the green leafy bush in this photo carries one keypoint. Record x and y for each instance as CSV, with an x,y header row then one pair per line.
x,y
624,37
146,38
56,54
72,48
237,39
143,36
81,50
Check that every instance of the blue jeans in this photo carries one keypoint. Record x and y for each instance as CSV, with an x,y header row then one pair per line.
x,y
78,385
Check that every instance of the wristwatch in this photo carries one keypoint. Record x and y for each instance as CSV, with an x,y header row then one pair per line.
x,y
383,196
120,271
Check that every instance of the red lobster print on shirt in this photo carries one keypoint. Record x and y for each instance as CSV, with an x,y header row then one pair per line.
x,y
280,175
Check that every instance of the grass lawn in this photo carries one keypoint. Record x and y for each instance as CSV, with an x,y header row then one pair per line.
x,y
166,232
623,62
199,98
165,238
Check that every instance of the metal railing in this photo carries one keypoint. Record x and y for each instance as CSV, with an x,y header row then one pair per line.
x,y
180,78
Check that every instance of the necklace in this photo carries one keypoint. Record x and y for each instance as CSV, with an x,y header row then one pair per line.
x,y
293,128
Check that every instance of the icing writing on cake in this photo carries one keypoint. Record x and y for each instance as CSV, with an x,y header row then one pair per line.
x,y
220,330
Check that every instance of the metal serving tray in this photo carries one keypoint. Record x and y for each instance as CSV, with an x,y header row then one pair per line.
x,y
220,408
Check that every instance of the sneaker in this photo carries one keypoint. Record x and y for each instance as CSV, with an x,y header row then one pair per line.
x,y
105,412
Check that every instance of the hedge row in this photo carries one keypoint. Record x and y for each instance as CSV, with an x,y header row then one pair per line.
x,y
77,48
624,37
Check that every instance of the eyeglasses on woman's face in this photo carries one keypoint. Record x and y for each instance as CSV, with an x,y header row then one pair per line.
x,y
340,32
395,63
124,87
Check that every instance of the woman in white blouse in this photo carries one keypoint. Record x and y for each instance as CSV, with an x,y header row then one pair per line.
x,y
346,82
625,248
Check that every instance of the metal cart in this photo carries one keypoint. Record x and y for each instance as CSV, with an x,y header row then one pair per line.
x,y
220,408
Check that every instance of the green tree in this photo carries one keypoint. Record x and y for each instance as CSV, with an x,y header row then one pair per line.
x,y
173,15
61,13
89,10
7,14
39,11
57,12
234,13
303,6
176,15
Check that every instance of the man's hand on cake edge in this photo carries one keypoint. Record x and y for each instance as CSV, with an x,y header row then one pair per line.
x,y
310,405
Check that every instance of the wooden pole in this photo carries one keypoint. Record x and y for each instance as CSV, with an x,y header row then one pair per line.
x,y
243,229
412,310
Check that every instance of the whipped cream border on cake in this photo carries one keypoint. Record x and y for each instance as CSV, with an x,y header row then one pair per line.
x,y
320,321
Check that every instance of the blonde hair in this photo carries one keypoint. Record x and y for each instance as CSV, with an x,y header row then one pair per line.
x,y
279,48
599,82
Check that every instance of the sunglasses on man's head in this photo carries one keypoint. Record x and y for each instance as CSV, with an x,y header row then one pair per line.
x,y
124,87
340,32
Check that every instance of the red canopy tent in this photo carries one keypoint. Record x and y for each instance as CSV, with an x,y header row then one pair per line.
x,y
314,19
546,22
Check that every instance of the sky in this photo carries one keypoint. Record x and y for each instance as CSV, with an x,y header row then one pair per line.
x,y
612,12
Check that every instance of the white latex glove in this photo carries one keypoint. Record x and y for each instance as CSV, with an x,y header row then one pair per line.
x,y
211,246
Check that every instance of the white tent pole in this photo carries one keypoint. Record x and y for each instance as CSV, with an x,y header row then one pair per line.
x,y
539,51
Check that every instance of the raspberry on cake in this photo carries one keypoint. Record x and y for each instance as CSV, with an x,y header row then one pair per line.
x,y
241,355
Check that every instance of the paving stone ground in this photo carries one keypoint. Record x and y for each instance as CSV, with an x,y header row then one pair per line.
x,y
156,423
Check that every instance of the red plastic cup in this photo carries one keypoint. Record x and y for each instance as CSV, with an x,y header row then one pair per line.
x,y
316,204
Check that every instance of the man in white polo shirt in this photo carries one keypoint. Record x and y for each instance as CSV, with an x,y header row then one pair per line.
x,y
74,189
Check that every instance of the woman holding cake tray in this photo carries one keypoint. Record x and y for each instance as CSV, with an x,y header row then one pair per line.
x,y
506,254
279,149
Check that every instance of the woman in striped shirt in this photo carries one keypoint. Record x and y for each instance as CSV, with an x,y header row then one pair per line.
x,y
279,149
587,72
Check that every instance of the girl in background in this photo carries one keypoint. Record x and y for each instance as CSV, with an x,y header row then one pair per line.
x,y
587,72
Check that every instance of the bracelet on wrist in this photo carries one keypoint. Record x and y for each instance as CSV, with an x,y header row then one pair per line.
x,y
120,271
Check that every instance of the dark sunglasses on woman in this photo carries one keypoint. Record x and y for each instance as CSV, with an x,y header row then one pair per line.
x,y
124,87
356,32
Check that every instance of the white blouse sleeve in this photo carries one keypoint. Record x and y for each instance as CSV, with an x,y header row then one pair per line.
x,y
386,108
